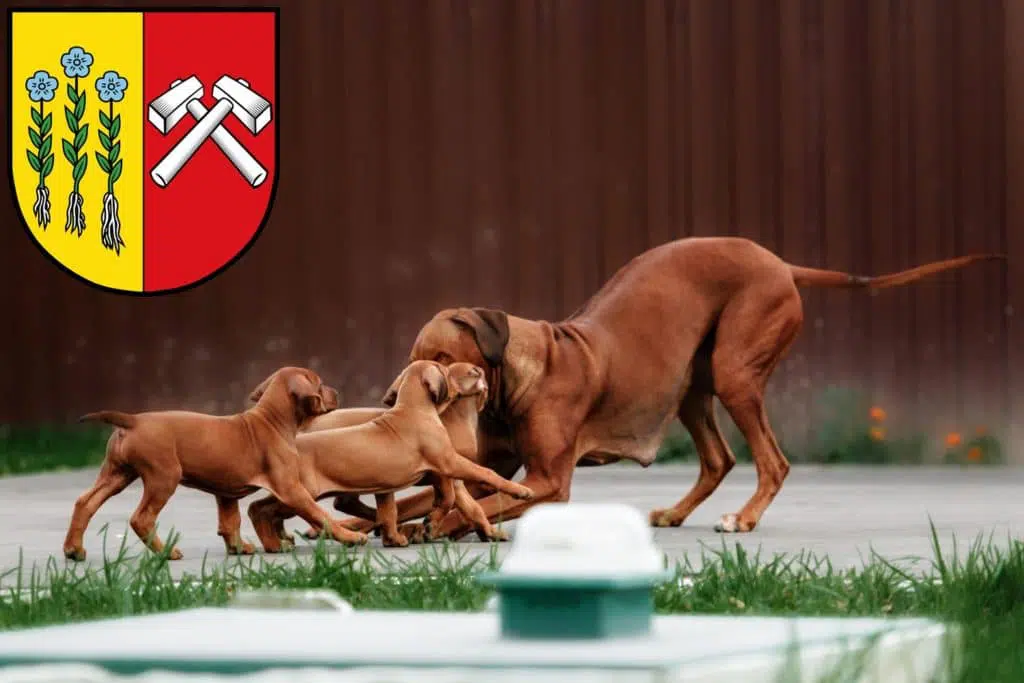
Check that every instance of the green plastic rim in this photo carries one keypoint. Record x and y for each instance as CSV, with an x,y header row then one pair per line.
x,y
625,582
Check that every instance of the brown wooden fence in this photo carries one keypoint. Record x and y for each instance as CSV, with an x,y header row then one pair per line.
x,y
515,153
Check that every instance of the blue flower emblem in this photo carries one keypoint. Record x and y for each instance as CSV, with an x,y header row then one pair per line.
x,y
76,62
111,87
41,86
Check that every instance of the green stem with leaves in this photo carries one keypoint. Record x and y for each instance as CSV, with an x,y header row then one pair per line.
x,y
42,159
73,148
111,163
42,178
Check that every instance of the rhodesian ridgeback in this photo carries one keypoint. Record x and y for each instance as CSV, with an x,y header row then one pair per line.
x,y
679,325
460,417
389,453
229,456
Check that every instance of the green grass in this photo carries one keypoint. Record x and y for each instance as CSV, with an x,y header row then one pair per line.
x,y
28,450
845,432
983,591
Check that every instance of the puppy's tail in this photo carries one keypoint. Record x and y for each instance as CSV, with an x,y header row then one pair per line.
x,y
813,277
111,417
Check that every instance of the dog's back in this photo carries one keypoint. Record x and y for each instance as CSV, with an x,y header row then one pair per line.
x,y
195,442
342,417
380,455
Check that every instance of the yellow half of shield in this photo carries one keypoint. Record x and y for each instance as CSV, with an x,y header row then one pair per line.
x,y
94,53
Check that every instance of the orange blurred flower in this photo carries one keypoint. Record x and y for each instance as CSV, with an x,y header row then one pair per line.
x,y
877,414
877,434
974,455
953,439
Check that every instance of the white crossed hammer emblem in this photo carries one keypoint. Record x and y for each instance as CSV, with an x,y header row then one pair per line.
x,y
233,97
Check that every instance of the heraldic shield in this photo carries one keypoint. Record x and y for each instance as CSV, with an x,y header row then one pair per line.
x,y
144,144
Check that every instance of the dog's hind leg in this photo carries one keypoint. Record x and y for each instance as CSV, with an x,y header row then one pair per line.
x,y
409,507
350,505
268,515
697,414
387,518
110,481
229,527
755,330
157,489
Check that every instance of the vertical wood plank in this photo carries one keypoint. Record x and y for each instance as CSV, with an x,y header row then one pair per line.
x,y
1014,130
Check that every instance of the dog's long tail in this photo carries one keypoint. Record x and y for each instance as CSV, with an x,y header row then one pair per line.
x,y
813,277
111,417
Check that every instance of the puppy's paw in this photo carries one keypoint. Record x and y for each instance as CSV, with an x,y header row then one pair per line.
x,y
356,524
396,541
242,549
496,535
523,492
734,524
358,539
175,554
665,517
75,554
416,533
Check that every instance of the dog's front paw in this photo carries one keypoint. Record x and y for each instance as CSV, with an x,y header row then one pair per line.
x,y
396,541
242,549
665,517
357,539
75,554
175,554
734,524
524,493
416,533
496,535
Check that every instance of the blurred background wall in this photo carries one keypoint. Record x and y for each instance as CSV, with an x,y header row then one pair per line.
x,y
515,153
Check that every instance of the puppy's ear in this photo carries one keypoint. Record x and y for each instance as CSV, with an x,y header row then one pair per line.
x,y
436,382
481,401
258,392
391,395
330,397
490,330
306,395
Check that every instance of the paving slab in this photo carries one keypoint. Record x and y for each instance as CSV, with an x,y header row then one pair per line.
x,y
843,512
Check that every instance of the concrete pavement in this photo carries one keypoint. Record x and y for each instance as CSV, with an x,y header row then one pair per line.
x,y
842,512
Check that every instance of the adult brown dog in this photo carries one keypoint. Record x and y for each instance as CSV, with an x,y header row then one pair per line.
x,y
460,420
679,325
228,456
387,454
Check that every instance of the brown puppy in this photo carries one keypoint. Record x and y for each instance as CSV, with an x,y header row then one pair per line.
x,y
387,454
228,456
460,420
677,326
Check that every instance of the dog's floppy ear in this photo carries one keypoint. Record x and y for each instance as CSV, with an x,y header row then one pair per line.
x,y
258,392
436,382
306,394
489,328
391,395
